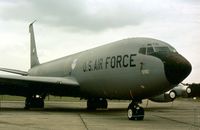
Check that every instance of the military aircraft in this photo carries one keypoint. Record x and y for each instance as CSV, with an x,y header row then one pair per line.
x,y
129,69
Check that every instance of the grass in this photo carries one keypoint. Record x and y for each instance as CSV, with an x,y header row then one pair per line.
x,y
48,98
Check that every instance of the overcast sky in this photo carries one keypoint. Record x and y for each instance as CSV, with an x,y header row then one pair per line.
x,y
65,27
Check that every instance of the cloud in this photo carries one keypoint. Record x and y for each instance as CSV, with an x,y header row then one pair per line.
x,y
89,15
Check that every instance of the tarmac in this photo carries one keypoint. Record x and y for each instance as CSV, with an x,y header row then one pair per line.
x,y
182,114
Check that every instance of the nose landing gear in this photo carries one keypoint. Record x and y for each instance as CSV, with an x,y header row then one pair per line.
x,y
135,112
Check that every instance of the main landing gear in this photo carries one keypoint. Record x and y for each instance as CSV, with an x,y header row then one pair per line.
x,y
94,103
34,101
135,112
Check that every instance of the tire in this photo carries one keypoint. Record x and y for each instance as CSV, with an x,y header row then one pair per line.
x,y
91,105
34,103
135,112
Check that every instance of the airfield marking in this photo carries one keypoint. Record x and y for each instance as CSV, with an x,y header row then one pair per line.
x,y
182,122
83,122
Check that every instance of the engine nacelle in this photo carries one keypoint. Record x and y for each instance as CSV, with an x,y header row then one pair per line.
x,y
182,91
194,90
168,96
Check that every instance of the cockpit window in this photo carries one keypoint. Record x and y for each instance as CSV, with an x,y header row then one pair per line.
x,y
150,50
172,49
162,49
142,50
156,48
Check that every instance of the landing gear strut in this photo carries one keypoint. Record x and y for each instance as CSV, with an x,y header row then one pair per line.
x,y
135,112
35,101
94,103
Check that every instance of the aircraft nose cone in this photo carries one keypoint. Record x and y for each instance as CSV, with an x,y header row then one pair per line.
x,y
177,68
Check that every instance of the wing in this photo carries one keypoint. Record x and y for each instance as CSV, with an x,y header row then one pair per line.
x,y
28,85
24,73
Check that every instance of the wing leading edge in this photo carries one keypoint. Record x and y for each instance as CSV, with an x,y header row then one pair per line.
x,y
14,71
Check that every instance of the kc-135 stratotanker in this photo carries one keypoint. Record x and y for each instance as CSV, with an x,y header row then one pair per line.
x,y
130,69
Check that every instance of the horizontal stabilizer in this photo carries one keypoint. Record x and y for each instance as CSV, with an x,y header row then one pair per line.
x,y
24,73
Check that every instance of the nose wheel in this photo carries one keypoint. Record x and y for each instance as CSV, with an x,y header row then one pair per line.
x,y
135,112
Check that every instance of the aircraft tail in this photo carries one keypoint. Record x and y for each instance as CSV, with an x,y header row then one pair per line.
x,y
33,51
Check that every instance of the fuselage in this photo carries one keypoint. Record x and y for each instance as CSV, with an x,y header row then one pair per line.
x,y
119,70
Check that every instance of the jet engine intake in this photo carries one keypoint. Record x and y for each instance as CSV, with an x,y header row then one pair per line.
x,y
183,91
168,96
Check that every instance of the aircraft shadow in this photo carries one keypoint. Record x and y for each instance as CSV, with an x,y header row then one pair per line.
x,y
61,109
80,110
